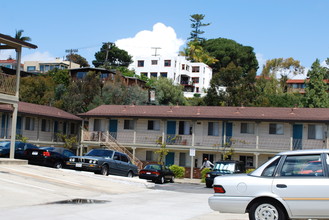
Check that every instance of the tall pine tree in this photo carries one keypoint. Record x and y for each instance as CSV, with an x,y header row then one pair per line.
x,y
316,88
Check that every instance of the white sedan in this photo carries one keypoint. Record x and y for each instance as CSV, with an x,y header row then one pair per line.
x,y
292,184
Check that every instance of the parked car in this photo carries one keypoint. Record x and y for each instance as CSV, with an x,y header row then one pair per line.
x,y
291,185
105,162
49,156
20,147
224,167
157,173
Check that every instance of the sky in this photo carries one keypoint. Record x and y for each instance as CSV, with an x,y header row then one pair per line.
x,y
274,28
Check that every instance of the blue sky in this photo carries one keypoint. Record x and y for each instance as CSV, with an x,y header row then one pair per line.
x,y
274,28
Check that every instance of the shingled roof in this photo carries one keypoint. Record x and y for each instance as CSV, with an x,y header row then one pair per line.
x,y
212,113
40,110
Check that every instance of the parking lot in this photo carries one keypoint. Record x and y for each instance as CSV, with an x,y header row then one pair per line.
x,y
35,192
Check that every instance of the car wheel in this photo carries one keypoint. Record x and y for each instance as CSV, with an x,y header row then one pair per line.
x,y
162,180
58,165
105,170
172,179
130,174
267,211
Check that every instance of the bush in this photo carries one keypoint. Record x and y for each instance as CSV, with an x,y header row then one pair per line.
x,y
178,171
249,170
203,174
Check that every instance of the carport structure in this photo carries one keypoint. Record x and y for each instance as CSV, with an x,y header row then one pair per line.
x,y
9,84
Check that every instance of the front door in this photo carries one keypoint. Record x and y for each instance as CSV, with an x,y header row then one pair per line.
x,y
19,125
113,128
170,159
297,137
228,129
171,132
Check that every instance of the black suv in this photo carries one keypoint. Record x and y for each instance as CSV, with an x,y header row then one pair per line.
x,y
222,168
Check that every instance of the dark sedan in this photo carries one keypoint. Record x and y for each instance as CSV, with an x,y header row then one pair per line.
x,y
49,156
20,147
157,173
105,162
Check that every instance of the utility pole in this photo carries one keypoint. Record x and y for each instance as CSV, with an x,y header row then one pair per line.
x,y
70,52
107,49
155,50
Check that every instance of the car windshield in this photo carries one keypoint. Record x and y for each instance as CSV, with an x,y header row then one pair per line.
x,y
224,167
100,153
4,144
153,167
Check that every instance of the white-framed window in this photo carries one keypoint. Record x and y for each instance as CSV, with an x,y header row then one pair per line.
x,y
45,125
153,125
97,124
185,128
195,69
167,63
140,63
315,132
29,124
182,159
128,125
72,128
213,129
154,62
276,128
247,128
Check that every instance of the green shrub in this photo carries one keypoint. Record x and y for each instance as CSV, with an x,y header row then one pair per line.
x,y
249,170
203,174
178,171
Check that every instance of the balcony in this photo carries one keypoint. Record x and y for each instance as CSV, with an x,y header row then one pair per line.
x,y
7,84
242,143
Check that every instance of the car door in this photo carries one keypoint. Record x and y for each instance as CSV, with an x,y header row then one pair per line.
x,y
117,168
304,191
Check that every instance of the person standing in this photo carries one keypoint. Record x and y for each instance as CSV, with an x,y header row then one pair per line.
x,y
207,164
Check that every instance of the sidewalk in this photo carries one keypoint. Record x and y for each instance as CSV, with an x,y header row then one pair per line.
x,y
188,180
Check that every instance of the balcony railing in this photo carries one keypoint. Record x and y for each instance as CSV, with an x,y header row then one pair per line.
x,y
209,142
7,84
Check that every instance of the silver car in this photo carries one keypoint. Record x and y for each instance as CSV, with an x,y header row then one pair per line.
x,y
292,184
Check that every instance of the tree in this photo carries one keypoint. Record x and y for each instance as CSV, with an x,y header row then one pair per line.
x,y
19,36
166,93
316,95
76,58
236,70
283,69
111,57
196,25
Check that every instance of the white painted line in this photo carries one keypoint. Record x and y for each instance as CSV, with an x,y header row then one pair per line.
x,y
24,184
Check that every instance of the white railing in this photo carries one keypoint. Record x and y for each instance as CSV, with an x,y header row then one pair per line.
x,y
210,142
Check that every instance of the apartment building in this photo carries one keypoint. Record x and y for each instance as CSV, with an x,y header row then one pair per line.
x,y
194,77
10,63
45,66
254,134
39,124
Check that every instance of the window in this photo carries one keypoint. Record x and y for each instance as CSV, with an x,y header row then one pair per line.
x,y
197,89
149,155
29,123
195,79
128,125
153,125
97,125
154,62
31,68
195,69
315,132
183,66
213,129
144,74
247,128
140,63
167,63
124,158
154,74
45,125
72,128
276,129
184,128
248,160
302,165
182,159
164,75
81,75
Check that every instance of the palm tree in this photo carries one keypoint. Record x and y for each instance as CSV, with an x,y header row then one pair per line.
x,y
19,36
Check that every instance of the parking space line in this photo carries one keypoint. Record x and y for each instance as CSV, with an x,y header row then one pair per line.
x,y
24,184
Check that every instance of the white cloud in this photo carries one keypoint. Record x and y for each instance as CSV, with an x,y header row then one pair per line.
x,y
261,62
161,36
38,56
5,54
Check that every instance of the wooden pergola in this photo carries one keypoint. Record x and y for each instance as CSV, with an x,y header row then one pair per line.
x,y
12,97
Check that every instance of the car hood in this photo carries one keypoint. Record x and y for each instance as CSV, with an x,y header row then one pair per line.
x,y
88,157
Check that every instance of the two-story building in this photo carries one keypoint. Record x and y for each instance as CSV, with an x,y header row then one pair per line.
x,y
254,133
194,77
40,124
45,66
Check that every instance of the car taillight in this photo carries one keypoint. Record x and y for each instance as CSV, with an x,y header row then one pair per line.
x,y
155,173
46,154
219,189
142,172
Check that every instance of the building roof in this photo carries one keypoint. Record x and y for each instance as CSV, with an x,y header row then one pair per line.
x,y
13,72
40,110
87,69
212,113
14,43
